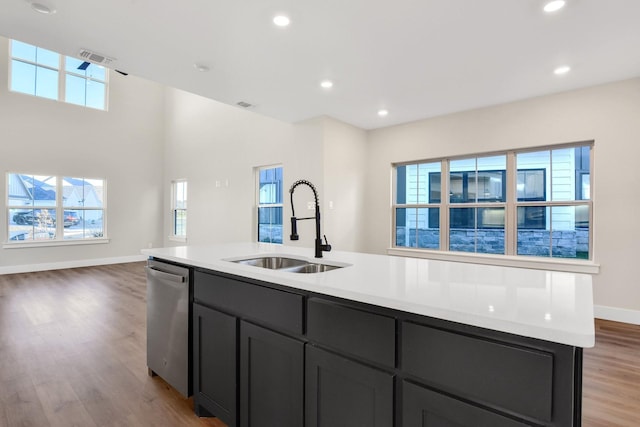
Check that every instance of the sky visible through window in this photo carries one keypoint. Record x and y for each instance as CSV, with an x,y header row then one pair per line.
x,y
36,71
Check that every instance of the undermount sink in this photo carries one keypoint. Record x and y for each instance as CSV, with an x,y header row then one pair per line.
x,y
291,265
272,262
313,268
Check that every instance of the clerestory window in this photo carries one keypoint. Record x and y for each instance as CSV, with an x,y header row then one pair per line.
x,y
46,74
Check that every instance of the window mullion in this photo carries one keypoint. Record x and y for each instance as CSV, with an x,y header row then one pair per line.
x,y
62,87
59,209
511,214
444,205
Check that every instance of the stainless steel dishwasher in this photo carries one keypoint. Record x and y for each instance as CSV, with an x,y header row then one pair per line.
x,y
168,324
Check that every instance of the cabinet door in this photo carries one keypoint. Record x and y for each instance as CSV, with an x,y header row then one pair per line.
x,y
422,407
271,378
214,364
344,393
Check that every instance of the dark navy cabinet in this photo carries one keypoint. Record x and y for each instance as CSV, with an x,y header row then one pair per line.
x,y
248,352
422,407
214,366
271,378
344,393
269,355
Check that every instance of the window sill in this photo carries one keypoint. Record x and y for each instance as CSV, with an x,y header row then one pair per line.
x,y
554,264
49,243
177,239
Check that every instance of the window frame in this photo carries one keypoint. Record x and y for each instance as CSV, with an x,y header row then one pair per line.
x,y
175,209
259,205
61,77
511,205
59,208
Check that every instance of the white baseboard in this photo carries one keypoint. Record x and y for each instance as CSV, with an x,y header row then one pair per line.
x,y
28,268
617,314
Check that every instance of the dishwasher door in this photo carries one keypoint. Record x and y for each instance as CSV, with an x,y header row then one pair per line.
x,y
168,324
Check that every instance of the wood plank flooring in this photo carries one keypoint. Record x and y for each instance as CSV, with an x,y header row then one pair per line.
x,y
611,377
73,353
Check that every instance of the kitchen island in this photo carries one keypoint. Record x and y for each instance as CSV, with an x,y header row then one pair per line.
x,y
383,341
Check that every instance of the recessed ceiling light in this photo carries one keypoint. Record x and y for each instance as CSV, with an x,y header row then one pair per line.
x,y
562,70
553,6
326,84
43,8
382,113
281,21
201,67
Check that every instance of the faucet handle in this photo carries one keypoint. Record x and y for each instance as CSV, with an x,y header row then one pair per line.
x,y
326,247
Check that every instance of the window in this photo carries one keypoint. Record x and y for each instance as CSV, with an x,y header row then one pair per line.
x,y
179,209
269,200
36,71
551,210
35,202
418,205
563,212
477,196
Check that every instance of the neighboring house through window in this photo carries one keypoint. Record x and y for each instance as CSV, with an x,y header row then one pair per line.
x,y
37,71
35,202
551,210
179,209
269,201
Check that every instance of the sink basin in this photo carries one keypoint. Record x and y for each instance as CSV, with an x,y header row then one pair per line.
x,y
291,265
312,268
273,262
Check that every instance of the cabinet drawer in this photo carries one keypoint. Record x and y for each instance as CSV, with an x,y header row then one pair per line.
x,y
280,309
509,377
357,332
426,408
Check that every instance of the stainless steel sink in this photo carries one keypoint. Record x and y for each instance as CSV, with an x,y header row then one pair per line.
x,y
291,265
272,262
312,268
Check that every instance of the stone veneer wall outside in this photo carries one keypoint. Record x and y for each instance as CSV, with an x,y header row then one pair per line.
x,y
566,243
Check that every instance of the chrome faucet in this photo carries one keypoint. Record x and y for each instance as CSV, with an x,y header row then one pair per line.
x,y
320,247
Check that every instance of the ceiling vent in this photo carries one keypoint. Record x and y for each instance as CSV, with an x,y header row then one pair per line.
x,y
95,58
244,104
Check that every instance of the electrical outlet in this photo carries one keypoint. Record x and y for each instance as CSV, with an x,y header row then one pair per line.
x,y
310,206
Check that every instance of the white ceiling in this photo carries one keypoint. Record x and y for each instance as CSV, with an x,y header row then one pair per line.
x,y
415,58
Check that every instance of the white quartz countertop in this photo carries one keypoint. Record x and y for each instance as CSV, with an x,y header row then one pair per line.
x,y
548,305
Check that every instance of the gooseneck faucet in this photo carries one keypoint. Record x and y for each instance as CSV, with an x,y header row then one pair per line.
x,y
320,247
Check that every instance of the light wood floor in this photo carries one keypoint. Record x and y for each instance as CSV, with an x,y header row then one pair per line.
x,y
611,377
73,353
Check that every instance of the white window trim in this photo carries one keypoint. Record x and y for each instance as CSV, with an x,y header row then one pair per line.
x,y
172,236
62,81
521,261
59,208
507,260
49,243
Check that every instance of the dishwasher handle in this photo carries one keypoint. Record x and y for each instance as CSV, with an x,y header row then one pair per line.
x,y
176,278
